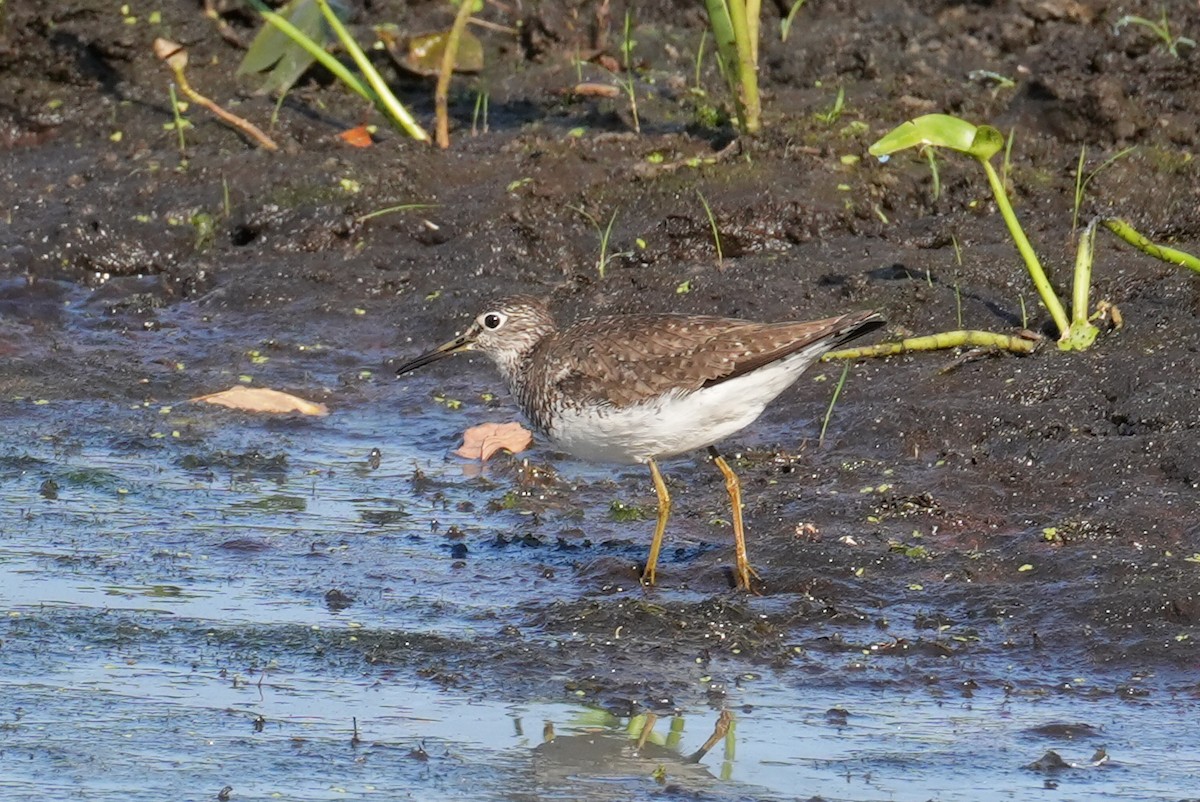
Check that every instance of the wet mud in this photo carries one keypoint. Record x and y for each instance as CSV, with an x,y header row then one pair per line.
x,y
977,531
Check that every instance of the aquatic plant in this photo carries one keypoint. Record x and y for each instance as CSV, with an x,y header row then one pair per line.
x,y
605,233
837,391
175,56
785,25
441,95
735,26
627,45
1081,181
268,49
1161,29
179,123
835,111
982,142
712,224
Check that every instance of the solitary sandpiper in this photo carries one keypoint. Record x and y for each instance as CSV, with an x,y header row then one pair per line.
x,y
635,389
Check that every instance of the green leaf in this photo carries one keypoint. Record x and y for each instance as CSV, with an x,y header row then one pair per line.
x,y
1079,337
271,44
943,131
274,50
987,143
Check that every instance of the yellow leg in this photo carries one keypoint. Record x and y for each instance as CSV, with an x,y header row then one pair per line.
x,y
664,512
647,728
742,569
720,730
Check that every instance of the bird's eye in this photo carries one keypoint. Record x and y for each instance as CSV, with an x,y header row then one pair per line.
x,y
493,320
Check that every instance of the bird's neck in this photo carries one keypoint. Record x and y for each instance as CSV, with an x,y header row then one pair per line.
x,y
522,372
514,368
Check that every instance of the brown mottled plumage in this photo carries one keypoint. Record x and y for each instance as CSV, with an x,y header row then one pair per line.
x,y
636,388
629,359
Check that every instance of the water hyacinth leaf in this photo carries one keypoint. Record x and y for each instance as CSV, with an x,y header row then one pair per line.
x,y
287,70
987,143
943,131
314,48
274,50
271,44
423,54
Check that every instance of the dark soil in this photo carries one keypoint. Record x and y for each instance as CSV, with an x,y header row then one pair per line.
x,y
1039,510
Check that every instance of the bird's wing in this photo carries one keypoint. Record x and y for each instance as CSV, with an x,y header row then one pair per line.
x,y
624,360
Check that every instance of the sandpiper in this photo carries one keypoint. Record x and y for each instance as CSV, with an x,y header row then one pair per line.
x,y
635,389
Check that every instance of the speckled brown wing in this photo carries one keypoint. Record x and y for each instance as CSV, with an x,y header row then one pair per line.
x,y
791,337
624,360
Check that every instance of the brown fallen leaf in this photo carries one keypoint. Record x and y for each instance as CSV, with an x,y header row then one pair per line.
x,y
608,62
358,137
422,54
482,441
262,399
589,89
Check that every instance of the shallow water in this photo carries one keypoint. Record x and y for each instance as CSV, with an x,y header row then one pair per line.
x,y
173,594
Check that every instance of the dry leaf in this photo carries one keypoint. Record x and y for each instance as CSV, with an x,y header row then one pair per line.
x,y
358,136
424,53
261,399
172,53
588,89
609,63
482,441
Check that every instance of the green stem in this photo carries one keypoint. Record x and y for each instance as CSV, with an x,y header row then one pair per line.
x,y
384,96
1049,299
747,63
1083,276
727,53
179,123
934,342
832,401
1172,255
753,14
722,28
1082,333
712,222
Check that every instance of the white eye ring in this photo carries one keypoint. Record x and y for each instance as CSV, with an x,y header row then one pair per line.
x,y
492,320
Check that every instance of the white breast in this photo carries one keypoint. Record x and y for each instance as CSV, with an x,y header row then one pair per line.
x,y
677,423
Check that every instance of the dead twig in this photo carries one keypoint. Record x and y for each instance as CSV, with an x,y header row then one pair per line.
x,y
223,28
176,58
442,92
